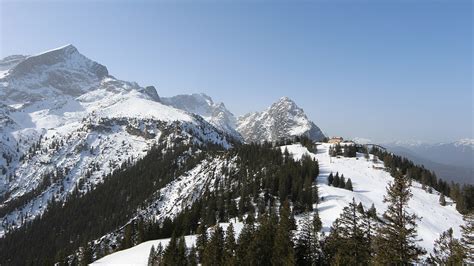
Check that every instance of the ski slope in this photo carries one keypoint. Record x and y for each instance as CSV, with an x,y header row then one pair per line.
x,y
369,181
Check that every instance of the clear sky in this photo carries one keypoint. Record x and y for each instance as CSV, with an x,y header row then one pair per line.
x,y
383,70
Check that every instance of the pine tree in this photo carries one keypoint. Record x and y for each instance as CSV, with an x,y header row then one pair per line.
x,y
349,244
170,255
317,224
229,246
243,243
335,182
442,200
158,254
448,250
330,179
127,237
181,252
307,247
468,236
213,254
87,255
283,247
261,247
396,238
192,259
342,182
370,224
151,256
201,241
348,185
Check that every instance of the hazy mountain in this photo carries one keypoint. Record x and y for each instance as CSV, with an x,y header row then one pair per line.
x,y
451,161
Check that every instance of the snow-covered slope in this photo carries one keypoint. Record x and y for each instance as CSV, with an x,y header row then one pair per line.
x,y
283,119
369,181
203,105
138,255
65,123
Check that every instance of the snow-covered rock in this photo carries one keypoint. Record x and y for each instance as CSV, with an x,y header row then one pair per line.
x,y
203,105
283,119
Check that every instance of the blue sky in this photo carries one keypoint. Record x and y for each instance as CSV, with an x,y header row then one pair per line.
x,y
384,70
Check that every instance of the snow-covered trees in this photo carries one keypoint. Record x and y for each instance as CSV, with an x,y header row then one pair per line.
x,y
396,238
468,236
442,200
348,242
307,247
447,250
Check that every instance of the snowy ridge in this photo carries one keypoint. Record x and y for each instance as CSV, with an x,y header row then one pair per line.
x,y
283,119
203,105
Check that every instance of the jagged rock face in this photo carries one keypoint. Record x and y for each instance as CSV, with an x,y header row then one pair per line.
x,y
203,105
283,119
63,71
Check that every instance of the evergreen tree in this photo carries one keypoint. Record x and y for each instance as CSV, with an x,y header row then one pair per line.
x,y
127,237
342,182
170,254
348,185
87,256
213,254
201,241
396,238
468,236
348,244
151,256
229,246
447,250
335,182
192,259
442,200
261,248
330,179
307,247
369,225
181,252
283,247
243,243
317,224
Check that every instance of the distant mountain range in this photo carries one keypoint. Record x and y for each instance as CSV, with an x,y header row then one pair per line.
x,y
452,161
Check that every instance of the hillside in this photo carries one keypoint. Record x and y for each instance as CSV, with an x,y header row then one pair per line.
x,y
369,181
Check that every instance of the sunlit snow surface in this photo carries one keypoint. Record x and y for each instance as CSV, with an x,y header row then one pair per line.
x,y
369,187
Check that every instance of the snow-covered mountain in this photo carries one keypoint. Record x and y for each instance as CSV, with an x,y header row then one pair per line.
x,y
283,119
203,105
65,123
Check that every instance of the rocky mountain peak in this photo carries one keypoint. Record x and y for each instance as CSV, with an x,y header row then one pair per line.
x,y
283,119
